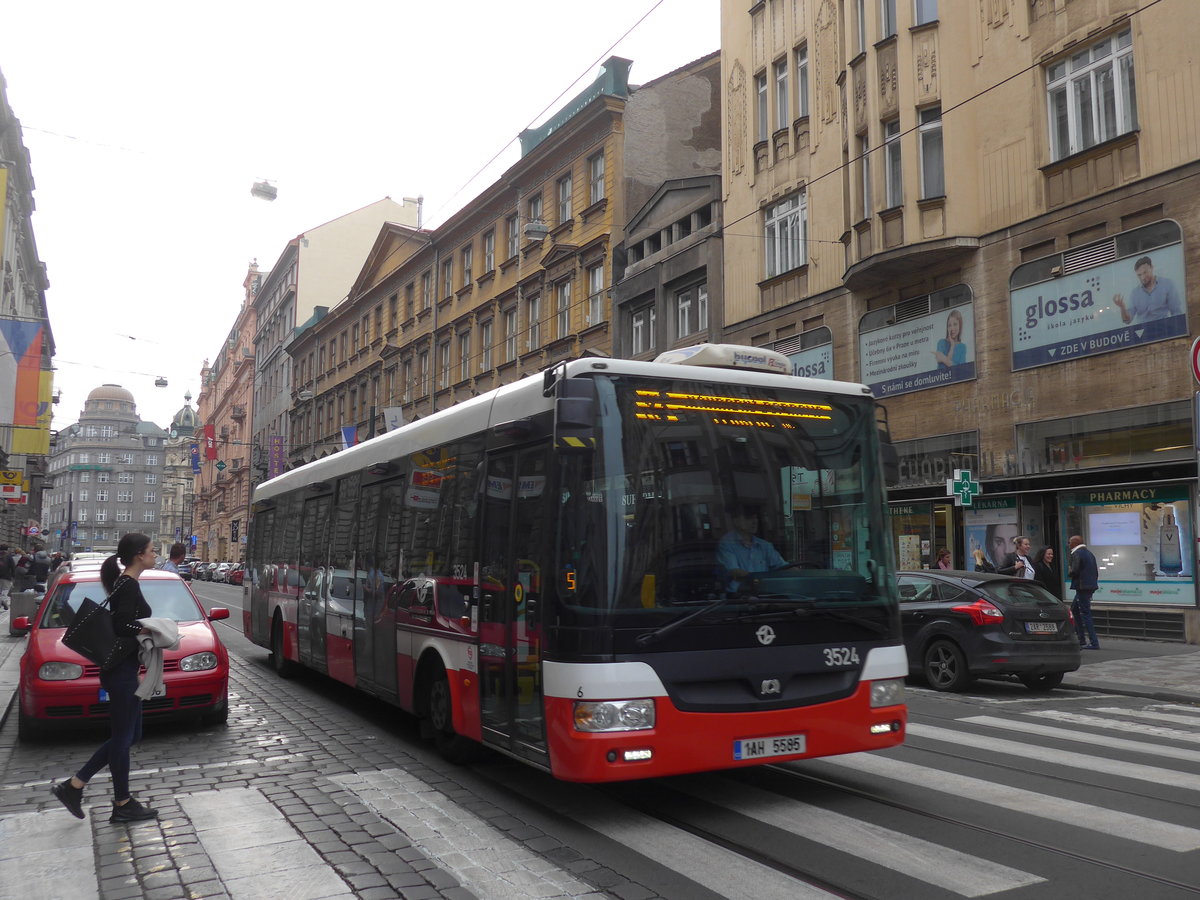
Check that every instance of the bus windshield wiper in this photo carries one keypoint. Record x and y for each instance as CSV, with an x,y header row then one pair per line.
x,y
644,640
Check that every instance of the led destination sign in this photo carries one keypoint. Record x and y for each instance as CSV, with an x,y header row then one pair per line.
x,y
747,412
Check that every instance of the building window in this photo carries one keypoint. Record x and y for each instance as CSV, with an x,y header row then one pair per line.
x,y
786,230
929,131
409,294
124,478
354,335
702,307
642,329
83,517
101,495
1091,96
149,497
533,311
887,18
925,11
423,373
596,177
760,88
83,457
85,477
83,496
102,477
152,459
485,346
468,259
564,199
534,207
151,478
125,459
860,20
124,496
444,367
683,313
782,106
802,81
864,162
512,231
426,289
489,251
562,294
448,277
510,335
124,515
394,307
379,318
595,278
101,516
891,153
464,356
148,515
406,373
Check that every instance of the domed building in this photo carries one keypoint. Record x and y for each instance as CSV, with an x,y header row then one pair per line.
x,y
108,472
177,492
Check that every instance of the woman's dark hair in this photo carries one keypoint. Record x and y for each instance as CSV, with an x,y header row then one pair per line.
x,y
1041,554
130,545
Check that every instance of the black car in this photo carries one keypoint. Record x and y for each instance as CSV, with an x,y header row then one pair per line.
x,y
961,625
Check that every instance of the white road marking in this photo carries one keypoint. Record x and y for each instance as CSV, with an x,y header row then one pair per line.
x,y
1117,725
1083,737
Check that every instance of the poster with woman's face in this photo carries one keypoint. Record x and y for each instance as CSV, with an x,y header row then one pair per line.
x,y
929,351
990,526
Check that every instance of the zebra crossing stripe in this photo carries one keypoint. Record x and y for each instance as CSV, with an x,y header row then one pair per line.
x,y
1173,734
1165,835
1147,714
966,875
1083,737
1137,771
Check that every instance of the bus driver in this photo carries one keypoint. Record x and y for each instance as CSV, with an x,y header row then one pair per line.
x,y
742,551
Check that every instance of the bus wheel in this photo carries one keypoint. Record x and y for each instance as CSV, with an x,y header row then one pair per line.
x,y
454,747
283,666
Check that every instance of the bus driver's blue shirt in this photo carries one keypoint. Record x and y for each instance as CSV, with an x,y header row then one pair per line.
x,y
760,556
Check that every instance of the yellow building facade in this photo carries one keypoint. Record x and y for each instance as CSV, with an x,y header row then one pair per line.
x,y
983,210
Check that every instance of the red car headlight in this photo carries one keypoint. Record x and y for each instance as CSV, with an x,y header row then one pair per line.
x,y
60,671
198,662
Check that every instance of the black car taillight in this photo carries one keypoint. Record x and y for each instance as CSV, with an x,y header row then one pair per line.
x,y
982,612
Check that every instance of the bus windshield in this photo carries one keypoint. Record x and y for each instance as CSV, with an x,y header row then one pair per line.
x,y
740,499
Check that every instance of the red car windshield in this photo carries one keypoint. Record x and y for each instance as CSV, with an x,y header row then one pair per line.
x,y
167,599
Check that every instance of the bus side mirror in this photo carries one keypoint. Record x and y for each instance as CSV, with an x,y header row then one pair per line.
x,y
575,413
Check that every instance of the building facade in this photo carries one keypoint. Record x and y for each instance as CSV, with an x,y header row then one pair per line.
x,y
316,268
26,344
107,471
221,489
176,516
982,210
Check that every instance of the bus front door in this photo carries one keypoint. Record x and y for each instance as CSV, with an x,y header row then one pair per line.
x,y
516,550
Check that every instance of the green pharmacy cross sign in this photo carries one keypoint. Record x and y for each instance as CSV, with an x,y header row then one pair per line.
x,y
221,466
964,489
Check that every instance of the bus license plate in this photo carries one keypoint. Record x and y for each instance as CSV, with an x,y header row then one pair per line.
x,y
760,748
1041,627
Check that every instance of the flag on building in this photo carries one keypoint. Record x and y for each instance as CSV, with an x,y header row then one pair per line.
x,y
210,441
194,452
349,436
393,417
35,440
20,371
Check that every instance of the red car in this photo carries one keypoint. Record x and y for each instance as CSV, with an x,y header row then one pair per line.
x,y
59,685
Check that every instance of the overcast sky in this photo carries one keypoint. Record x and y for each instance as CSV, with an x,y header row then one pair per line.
x,y
148,122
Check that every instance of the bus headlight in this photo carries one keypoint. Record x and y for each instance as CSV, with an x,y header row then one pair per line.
x,y
59,671
198,662
888,692
614,715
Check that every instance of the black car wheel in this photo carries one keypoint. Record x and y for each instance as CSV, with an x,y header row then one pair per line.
x,y
1046,681
945,667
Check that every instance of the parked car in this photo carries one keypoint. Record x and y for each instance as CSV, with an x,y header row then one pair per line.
x,y
961,625
58,685
221,571
236,574
206,571
197,568
185,567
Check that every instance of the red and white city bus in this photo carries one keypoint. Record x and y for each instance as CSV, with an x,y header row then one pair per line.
x,y
552,569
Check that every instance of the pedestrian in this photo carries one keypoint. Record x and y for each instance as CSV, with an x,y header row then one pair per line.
x,y
1019,563
6,575
136,553
943,558
175,560
40,570
1045,572
1085,577
22,576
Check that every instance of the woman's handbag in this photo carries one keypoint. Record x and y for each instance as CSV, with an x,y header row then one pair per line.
x,y
91,634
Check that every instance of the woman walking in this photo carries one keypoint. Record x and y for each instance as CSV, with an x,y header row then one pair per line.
x,y
1045,572
136,553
